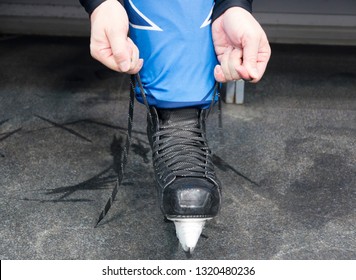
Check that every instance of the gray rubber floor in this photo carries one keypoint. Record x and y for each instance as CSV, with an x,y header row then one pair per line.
x,y
286,161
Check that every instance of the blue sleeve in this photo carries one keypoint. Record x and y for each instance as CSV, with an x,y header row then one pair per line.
x,y
222,5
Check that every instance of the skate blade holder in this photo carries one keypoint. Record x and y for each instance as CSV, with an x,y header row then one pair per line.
x,y
188,231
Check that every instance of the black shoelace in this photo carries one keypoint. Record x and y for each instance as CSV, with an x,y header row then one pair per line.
x,y
180,148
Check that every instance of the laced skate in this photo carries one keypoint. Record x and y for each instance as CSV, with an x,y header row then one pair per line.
x,y
189,192
188,189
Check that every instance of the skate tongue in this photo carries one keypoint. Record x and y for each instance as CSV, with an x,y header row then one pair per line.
x,y
186,115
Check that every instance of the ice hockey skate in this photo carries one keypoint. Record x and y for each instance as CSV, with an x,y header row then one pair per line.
x,y
188,191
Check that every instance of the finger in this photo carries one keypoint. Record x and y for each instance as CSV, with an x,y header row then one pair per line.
x,y
237,67
137,67
235,60
249,56
219,75
121,51
225,64
104,55
134,55
263,58
243,73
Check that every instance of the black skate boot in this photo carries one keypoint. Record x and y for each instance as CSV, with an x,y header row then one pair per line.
x,y
189,192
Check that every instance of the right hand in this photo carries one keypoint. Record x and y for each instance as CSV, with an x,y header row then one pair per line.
x,y
109,41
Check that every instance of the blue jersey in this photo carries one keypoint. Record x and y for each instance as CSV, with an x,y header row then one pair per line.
x,y
174,39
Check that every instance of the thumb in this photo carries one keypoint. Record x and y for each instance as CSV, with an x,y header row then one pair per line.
x,y
219,75
249,56
121,50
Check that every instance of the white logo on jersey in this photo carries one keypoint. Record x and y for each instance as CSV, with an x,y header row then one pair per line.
x,y
152,26
207,21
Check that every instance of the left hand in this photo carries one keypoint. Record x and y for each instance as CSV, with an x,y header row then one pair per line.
x,y
241,46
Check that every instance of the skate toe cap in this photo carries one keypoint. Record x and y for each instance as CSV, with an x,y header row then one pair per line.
x,y
193,197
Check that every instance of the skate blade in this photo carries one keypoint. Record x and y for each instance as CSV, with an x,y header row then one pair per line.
x,y
188,232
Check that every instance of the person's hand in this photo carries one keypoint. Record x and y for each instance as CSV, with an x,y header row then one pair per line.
x,y
241,46
109,41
